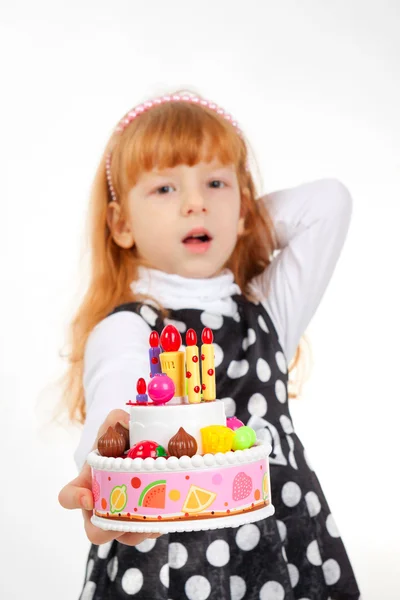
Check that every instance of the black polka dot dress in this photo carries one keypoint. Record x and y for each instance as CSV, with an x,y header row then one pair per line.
x,y
295,554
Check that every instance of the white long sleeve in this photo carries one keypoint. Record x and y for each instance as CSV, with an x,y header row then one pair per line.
x,y
311,221
116,355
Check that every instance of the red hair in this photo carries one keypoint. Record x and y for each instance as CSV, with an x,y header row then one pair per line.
x,y
165,136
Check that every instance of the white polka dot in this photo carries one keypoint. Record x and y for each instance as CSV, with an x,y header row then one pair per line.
x,y
307,461
313,503
263,370
148,314
284,553
282,529
286,424
147,545
177,555
238,368
218,355
264,435
281,362
272,590
180,325
293,574
88,591
236,317
249,339
212,321
313,554
197,587
218,553
292,460
291,493
331,571
112,568
164,575
331,527
103,550
263,324
89,569
280,391
247,537
230,406
132,581
238,587
257,405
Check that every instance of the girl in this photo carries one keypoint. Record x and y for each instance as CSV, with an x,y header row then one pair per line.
x,y
177,234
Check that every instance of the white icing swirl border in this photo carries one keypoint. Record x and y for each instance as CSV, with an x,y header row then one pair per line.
x,y
186,463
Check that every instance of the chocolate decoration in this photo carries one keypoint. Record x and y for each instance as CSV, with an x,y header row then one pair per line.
x,y
182,444
124,432
111,443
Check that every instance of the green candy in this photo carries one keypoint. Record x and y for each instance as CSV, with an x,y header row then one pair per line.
x,y
243,438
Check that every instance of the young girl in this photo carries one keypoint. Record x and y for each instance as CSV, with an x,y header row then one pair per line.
x,y
178,235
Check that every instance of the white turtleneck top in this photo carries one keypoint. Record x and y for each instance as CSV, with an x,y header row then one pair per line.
x,y
311,222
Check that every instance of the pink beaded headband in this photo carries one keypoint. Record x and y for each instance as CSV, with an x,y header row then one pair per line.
x,y
138,110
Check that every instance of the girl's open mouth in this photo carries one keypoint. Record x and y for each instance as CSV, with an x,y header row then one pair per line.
x,y
197,241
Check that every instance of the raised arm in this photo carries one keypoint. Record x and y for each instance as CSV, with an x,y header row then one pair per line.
x,y
311,222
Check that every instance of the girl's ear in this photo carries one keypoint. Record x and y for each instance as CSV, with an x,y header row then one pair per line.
x,y
240,227
120,229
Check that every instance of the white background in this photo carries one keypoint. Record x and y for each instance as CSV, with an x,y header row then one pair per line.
x,y
315,86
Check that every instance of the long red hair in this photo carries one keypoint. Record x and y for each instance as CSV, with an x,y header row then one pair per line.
x,y
165,136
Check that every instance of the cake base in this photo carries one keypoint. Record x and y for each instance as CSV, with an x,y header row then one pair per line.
x,y
182,526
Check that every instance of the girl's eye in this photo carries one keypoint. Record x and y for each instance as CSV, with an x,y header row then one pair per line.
x,y
163,187
216,181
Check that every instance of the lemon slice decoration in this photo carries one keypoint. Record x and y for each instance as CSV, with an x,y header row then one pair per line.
x,y
118,498
198,499
265,486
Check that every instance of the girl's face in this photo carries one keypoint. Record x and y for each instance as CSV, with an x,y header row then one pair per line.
x,y
186,220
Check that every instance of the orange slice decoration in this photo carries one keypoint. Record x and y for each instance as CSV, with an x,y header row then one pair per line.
x,y
198,499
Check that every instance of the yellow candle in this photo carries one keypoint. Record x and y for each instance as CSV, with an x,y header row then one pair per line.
x,y
207,365
172,360
192,368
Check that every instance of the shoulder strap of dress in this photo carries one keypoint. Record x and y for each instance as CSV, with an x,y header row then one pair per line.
x,y
128,306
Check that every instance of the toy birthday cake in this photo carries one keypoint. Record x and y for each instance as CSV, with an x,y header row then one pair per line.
x,y
183,466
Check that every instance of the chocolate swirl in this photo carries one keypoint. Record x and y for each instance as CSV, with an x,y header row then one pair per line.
x,y
182,444
111,443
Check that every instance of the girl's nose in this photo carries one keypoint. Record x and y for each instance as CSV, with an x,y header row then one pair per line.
x,y
193,204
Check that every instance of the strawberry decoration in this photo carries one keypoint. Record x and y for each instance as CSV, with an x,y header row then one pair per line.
x,y
146,449
242,486
95,489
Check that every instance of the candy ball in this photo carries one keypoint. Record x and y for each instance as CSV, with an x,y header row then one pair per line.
x,y
244,437
161,388
234,423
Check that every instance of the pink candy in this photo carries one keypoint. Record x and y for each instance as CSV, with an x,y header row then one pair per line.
x,y
233,423
161,388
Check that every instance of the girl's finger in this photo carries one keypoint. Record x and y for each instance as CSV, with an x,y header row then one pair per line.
x,y
78,492
98,536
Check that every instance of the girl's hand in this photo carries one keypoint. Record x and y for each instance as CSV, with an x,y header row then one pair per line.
x,y
78,494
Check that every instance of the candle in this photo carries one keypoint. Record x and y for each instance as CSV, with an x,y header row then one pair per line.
x,y
207,365
141,391
192,367
154,353
172,360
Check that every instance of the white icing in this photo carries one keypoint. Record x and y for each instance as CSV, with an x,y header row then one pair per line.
x,y
185,463
161,423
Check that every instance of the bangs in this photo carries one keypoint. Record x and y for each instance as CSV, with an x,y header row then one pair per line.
x,y
172,134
